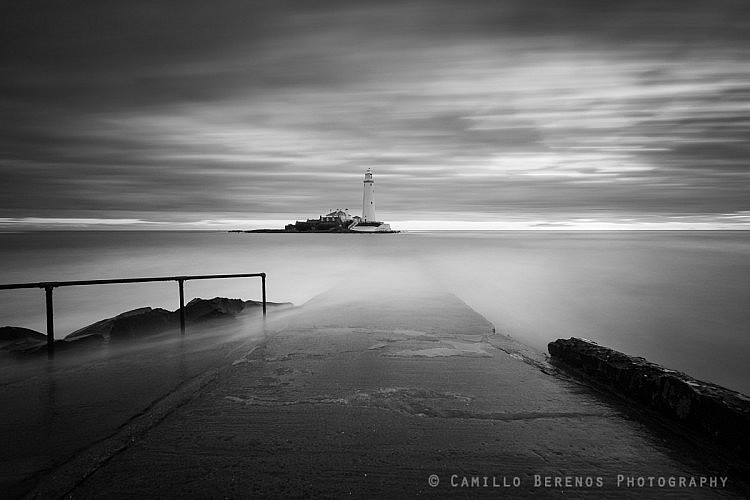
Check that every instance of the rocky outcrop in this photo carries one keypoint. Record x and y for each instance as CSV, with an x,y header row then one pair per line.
x,y
222,308
22,342
89,342
138,323
256,306
216,308
145,321
713,410
15,338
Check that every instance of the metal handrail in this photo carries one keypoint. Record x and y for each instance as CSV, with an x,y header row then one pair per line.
x,y
48,286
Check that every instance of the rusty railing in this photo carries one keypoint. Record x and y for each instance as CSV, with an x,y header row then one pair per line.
x,y
48,286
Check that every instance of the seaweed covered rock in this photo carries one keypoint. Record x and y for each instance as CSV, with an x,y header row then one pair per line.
x,y
22,342
14,339
216,308
147,321
139,322
718,412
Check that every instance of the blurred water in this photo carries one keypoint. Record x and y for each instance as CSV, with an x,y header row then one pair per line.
x,y
677,298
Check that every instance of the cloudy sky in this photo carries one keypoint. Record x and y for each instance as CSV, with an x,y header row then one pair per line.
x,y
507,113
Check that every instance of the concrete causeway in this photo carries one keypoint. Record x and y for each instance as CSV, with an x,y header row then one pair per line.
x,y
408,392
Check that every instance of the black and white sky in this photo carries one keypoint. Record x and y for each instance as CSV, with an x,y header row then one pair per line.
x,y
504,113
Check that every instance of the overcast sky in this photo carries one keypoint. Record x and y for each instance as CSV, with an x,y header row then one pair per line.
x,y
498,111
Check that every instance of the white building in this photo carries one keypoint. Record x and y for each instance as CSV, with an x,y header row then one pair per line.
x,y
338,215
368,222
368,198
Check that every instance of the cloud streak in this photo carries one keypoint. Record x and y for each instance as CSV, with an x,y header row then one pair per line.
x,y
271,110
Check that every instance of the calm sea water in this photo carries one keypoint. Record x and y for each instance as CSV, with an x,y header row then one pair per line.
x,y
680,299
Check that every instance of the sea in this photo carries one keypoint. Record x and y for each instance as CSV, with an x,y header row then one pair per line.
x,y
680,299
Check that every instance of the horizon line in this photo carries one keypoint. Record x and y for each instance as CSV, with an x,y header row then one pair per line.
x,y
727,222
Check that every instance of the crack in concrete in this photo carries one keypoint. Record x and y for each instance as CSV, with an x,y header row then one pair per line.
x,y
415,402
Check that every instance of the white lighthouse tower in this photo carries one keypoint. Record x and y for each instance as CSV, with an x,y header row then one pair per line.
x,y
368,198
367,223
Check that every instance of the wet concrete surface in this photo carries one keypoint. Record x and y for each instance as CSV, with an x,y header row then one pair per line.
x,y
53,409
402,394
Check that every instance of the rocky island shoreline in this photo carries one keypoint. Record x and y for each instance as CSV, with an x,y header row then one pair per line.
x,y
339,220
331,230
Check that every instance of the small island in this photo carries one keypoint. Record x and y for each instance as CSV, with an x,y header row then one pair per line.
x,y
339,220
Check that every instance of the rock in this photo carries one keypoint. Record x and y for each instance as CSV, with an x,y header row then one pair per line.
x,y
17,333
15,338
14,333
89,342
135,323
720,413
253,304
30,342
144,323
206,309
104,327
221,307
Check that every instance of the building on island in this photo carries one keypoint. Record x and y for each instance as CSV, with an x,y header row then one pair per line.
x,y
339,220
337,215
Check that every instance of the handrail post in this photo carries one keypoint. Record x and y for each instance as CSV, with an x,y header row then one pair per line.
x,y
51,285
50,322
263,284
182,306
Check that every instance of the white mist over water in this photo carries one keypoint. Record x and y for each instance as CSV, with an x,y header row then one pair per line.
x,y
677,298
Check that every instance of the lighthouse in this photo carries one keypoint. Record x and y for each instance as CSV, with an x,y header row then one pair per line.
x,y
367,223
368,198
339,221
